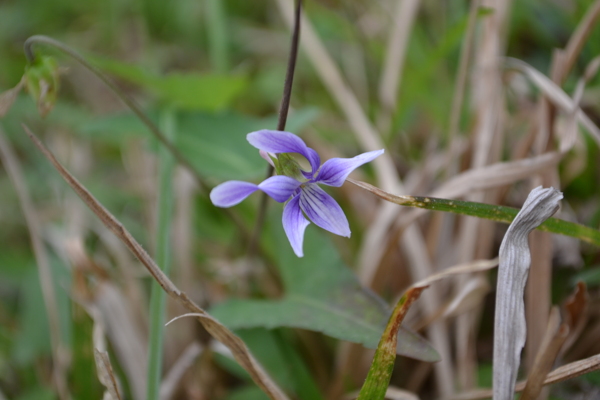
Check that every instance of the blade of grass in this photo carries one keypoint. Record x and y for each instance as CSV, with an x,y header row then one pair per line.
x,y
216,21
163,234
486,211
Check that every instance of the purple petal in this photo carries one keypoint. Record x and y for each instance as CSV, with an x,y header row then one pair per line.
x,y
279,187
323,210
294,224
335,171
230,193
283,142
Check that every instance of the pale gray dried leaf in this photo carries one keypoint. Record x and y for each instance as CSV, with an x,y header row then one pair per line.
x,y
105,374
515,259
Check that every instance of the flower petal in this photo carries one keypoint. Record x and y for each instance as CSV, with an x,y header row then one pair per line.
x,y
230,193
283,142
294,224
323,210
335,171
279,187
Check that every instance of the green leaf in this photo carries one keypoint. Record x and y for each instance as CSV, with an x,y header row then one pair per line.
x,y
380,373
281,360
322,295
215,144
189,91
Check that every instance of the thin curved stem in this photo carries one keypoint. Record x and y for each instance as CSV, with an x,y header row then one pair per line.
x,y
283,113
129,102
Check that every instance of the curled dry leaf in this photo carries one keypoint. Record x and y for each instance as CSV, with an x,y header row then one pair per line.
x,y
515,260
215,328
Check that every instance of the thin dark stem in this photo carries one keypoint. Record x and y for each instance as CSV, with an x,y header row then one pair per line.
x,y
129,102
291,68
283,113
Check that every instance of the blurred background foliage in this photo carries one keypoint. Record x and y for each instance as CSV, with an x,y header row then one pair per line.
x,y
221,65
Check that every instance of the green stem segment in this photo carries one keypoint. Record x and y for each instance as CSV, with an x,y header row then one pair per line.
x,y
163,235
379,375
217,33
486,211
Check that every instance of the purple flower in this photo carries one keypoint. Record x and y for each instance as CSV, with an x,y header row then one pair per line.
x,y
298,187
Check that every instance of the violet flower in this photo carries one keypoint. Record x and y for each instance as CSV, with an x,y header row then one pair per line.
x,y
298,187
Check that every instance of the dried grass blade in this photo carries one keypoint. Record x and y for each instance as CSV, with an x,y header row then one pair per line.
x,y
560,374
105,374
578,39
555,94
214,327
406,11
515,259
555,336
169,384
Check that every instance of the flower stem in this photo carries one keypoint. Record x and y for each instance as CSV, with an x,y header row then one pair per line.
x,y
283,113
166,165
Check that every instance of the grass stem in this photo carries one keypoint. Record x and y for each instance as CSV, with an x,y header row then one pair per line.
x,y
166,164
